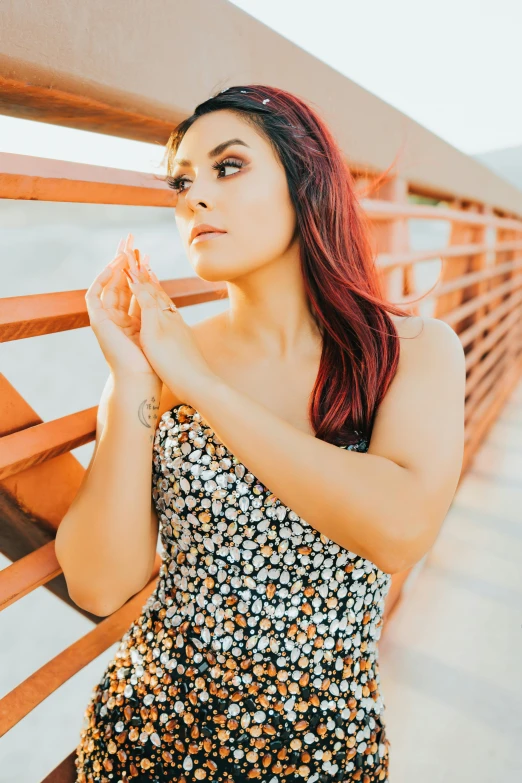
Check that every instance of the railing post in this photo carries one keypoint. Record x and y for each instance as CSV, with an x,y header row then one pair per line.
x,y
461,234
483,234
393,237
514,337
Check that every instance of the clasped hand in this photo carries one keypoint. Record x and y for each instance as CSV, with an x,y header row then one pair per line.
x,y
165,339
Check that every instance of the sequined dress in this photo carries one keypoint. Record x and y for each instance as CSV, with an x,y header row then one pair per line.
x,y
255,657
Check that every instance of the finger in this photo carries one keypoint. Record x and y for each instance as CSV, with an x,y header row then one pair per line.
x,y
125,259
116,293
152,279
153,276
134,309
148,295
141,292
95,290
145,264
127,300
118,260
130,302
125,295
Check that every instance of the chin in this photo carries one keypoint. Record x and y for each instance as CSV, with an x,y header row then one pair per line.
x,y
211,270
213,273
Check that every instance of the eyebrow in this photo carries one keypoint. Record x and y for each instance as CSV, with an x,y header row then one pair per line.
x,y
213,152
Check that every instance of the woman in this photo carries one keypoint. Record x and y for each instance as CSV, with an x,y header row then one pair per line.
x,y
298,460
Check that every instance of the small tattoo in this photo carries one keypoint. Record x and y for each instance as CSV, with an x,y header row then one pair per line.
x,y
146,412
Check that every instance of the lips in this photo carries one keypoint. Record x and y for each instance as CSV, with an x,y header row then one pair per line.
x,y
205,228
207,236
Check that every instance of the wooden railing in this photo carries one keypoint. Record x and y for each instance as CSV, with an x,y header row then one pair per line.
x,y
479,294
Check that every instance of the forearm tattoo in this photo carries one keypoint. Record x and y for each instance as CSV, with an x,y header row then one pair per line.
x,y
148,414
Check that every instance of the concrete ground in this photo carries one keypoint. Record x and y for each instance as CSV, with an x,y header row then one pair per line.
x,y
451,655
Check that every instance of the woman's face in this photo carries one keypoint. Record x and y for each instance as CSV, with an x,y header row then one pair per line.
x,y
241,189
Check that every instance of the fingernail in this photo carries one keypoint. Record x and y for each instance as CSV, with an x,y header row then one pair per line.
x,y
121,245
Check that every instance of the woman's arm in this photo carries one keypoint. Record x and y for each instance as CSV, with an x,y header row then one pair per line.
x,y
387,504
106,542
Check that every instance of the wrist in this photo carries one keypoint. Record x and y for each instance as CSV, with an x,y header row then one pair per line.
x,y
136,379
136,386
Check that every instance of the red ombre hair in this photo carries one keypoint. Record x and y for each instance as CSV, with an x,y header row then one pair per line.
x,y
361,347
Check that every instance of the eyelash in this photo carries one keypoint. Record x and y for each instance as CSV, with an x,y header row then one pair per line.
x,y
175,182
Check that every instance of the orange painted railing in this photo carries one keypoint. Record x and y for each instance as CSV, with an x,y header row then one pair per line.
x,y
479,295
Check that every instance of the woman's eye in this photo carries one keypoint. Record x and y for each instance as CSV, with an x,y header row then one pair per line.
x,y
176,182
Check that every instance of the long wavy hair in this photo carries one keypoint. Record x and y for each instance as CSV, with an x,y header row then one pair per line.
x,y
360,344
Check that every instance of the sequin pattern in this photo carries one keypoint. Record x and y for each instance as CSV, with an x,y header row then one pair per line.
x,y
255,657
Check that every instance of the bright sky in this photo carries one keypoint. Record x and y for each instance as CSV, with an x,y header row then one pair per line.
x,y
452,65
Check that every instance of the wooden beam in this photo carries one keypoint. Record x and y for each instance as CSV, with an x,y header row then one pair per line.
x,y
38,686
73,110
36,314
24,177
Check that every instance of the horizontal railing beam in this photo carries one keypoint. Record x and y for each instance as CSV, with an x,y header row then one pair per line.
x,y
470,278
25,177
19,702
488,411
389,261
36,314
47,179
481,371
30,100
486,343
471,306
485,392
32,571
477,329
31,446
380,210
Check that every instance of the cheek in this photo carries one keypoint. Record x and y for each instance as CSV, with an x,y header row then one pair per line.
x,y
182,223
264,226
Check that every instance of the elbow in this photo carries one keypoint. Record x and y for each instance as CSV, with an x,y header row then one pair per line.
x,y
86,593
96,604
94,609
399,564
93,603
405,551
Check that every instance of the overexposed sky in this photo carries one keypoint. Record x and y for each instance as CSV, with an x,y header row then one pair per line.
x,y
454,66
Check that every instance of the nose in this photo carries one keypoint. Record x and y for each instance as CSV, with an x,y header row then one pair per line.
x,y
199,194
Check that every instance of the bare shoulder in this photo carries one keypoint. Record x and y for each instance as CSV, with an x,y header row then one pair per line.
x,y
425,339
204,331
426,397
